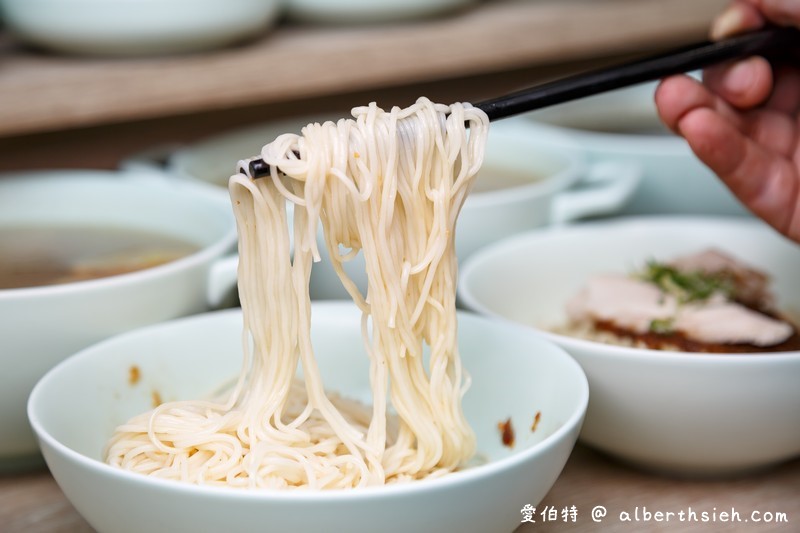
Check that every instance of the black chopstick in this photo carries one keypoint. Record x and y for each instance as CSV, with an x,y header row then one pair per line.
x,y
771,42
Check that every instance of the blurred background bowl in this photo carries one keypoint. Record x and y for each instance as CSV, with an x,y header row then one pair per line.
x,y
214,160
41,325
624,125
75,408
137,27
523,184
682,413
369,11
520,186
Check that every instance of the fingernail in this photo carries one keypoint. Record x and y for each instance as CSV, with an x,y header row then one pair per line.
x,y
727,23
739,78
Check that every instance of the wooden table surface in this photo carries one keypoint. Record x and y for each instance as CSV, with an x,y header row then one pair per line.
x,y
32,502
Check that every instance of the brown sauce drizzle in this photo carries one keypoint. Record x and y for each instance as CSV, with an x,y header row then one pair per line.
x,y
678,341
536,418
134,375
506,432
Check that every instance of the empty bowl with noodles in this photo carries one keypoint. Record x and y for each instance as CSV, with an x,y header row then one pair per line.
x,y
699,376
515,375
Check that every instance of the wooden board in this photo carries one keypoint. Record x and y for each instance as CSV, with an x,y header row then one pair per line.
x,y
45,92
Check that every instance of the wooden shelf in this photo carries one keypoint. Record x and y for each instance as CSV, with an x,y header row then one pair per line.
x,y
46,92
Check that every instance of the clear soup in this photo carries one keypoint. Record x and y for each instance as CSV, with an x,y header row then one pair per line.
x,y
34,256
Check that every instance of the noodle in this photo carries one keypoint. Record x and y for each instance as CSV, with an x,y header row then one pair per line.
x,y
390,186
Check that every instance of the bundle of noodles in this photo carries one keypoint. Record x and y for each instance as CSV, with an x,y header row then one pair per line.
x,y
390,186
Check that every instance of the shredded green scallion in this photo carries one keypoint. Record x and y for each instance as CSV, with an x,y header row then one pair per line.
x,y
661,325
687,286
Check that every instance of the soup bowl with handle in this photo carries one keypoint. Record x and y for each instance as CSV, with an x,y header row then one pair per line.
x,y
41,325
682,413
515,374
524,183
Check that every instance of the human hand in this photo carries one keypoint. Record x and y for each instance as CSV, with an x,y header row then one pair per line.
x,y
742,121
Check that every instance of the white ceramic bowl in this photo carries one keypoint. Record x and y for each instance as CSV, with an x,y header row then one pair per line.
x,y
623,125
137,27
214,159
551,186
694,414
77,405
368,11
42,325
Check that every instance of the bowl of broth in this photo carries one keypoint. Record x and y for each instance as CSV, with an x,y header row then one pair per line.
x,y
623,125
524,183
38,255
89,254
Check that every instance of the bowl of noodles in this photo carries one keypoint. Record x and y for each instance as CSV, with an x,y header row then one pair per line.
x,y
515,375
393,411
687,328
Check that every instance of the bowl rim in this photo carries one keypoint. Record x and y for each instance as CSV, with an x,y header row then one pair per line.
x,y
615,143
630,353
525,239
510,462
568,154
637,98
218,248
183,159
